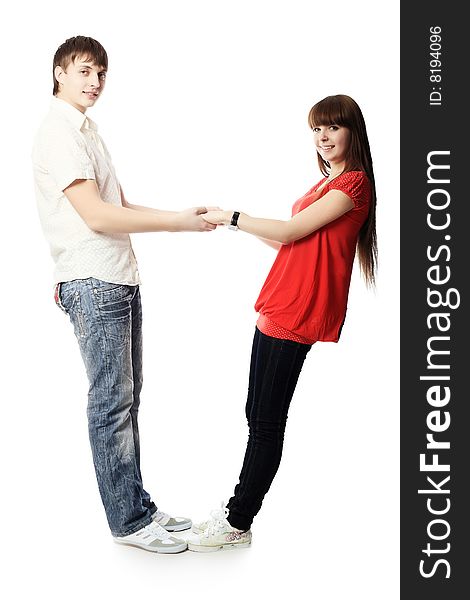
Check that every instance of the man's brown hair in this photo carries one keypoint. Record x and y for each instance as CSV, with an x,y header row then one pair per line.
x,y
78,47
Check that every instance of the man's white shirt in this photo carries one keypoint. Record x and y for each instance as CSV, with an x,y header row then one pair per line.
x,y
67,147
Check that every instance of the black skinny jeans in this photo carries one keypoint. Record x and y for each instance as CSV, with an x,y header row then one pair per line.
x,y
274,371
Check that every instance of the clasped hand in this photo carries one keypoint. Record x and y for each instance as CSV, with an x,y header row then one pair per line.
x,y
203,218
217,216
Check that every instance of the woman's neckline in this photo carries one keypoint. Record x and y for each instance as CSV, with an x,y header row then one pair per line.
x,y
327,181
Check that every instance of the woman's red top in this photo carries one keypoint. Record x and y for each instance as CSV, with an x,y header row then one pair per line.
x,y
306,292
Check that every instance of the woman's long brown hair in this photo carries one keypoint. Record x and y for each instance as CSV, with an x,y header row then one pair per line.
x,y
344,111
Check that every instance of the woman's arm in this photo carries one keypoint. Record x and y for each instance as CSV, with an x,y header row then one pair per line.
x,y
329,207
270,243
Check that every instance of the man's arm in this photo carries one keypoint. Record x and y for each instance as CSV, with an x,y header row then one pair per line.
x,y
155,211
84,196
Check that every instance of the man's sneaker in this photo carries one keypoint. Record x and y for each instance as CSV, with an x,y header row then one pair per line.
x,y
153,538
171,523
219,535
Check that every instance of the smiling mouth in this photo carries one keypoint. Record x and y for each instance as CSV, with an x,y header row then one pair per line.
x,y
95,94
326,147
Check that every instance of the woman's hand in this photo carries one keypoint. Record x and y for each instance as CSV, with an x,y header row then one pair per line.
x,y
218,217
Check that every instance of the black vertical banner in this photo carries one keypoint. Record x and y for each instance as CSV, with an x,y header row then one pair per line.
x,y
435,253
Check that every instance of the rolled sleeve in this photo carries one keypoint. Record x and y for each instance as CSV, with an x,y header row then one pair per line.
x,y
66,159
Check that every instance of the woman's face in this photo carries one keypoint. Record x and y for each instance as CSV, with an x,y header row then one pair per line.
x,y
332,142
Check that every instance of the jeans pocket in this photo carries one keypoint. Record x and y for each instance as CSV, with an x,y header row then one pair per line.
x,y
114,306
67,296
114,300
105,292
57,298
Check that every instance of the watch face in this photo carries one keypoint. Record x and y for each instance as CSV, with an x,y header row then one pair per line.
x,y
233,222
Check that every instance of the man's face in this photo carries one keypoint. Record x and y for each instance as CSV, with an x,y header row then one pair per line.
x,y
81,84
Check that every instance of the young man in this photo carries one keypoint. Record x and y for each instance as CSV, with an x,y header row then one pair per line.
x,y
86,220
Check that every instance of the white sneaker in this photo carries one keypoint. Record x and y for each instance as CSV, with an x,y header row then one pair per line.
x,y
203,525
219,535
153,538
171,523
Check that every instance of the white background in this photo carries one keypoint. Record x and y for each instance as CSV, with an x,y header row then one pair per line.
x,y
206,103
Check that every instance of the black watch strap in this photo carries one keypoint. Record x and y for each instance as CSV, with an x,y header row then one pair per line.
x,y
234,221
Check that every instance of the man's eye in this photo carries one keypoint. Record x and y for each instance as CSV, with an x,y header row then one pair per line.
x,y
102,75
84,72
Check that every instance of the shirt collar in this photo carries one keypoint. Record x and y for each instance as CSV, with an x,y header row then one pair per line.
x,y
76,117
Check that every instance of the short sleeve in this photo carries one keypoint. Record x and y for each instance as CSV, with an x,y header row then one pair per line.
x,y
354,184
65,158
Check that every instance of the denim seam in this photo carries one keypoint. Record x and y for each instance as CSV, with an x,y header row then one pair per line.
x,y
104,342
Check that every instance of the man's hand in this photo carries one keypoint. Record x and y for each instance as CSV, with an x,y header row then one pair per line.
x,y
218,217
191,220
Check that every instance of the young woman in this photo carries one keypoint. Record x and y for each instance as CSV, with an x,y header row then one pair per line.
x,y
303,299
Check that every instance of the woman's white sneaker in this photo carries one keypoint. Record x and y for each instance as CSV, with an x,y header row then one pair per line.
x,y
218,535
153,538
203,525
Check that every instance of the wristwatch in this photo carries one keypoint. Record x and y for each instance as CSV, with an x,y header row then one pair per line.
x,y
233,223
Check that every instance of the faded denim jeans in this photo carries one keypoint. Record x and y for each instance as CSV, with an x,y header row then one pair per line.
x,y
107,320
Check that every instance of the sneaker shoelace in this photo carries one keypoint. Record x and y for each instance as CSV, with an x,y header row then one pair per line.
x,y
217,522
157,531
159,515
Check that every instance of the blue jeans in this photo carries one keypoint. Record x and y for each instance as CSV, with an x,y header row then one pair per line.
x,y
274,370
107,320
